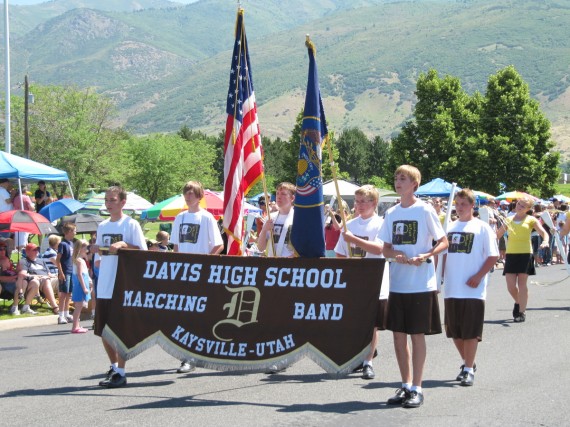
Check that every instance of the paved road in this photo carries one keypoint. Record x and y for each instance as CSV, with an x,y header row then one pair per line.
x,y
51,376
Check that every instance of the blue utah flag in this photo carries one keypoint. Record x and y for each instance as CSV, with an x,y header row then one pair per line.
x,y
307,234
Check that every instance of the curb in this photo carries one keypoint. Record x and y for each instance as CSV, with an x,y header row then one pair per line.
x,y
26,322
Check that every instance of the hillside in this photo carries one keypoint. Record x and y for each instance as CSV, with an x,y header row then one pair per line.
x,y
168,66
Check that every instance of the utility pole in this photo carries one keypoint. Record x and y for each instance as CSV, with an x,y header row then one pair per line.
x,y
26,111
7,130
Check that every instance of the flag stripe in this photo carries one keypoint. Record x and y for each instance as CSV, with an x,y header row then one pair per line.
x,y
243,158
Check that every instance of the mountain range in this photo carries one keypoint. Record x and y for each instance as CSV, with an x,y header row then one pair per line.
x,y
166,64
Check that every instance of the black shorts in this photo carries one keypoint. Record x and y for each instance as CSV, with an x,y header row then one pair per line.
x,y
416,313
382,316
102,313
519,264
464,318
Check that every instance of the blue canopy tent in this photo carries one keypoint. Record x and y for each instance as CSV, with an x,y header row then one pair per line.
x,y
435,188
21,169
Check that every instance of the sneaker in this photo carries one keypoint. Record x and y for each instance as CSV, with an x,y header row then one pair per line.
x,y
516,311
117,380
14,311
69,318
104,382
358,368
368,372
79,331
462,372
274,369
61,321
27,310
185,367
468,379
400,396
414,400
520,318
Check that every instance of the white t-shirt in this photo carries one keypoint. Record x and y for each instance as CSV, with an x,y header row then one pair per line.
x,y
126,230
470,244
412,230
281,224
196,232
366,229
5,195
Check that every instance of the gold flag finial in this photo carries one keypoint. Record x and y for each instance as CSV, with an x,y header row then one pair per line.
x,y
310,44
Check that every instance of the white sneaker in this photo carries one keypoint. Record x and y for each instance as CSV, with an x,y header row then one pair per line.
x,y
69,318
61,320
27,310
14,311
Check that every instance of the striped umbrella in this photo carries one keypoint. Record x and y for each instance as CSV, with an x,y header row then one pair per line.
x,y
515,195
26,221
168,209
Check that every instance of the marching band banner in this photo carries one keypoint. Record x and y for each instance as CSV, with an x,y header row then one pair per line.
x,y
245,313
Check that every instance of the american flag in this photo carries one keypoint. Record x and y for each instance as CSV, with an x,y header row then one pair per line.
x,y
243,157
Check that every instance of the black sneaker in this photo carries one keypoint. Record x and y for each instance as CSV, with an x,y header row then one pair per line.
x,y
400,396
117,380
105,382
468,379
415,400
185,368
462,372
368,372
358,368
516,311
520,318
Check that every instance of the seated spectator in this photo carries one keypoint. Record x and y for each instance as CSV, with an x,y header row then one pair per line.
x,y
34,271
8,278
13,286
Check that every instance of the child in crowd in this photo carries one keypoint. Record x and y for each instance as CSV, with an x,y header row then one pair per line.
x,y
81,292
65,269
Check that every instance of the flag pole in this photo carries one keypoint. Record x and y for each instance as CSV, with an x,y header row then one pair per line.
x,y
328,142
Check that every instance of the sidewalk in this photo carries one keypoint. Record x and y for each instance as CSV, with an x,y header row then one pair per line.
x,y
25,322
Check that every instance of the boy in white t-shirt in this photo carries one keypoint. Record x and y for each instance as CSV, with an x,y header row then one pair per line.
x,y
408,233
279,224
195,231
362,236
117,232
471,254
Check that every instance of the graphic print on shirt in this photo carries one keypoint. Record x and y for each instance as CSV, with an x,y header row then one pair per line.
x,y
460,242
108,240
358,252
404,232
189,233
277,230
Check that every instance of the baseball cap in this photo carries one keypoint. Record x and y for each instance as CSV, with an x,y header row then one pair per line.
x,y
31,247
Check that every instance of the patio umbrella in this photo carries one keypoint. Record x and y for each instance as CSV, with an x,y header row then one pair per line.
x,y
134,203
168,209
27,221
515,195
84,223
483,195
61,208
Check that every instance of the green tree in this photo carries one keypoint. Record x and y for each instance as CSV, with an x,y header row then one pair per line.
x,y
518,137
161,164
435,140
70,129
